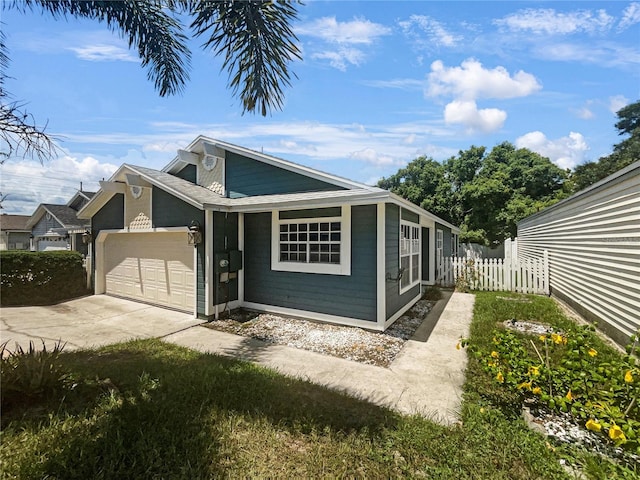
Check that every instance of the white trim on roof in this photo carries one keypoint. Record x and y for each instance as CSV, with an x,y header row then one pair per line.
x,y
197,146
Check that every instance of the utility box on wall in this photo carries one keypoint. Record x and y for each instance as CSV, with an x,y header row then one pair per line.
x,y
235,260
227,264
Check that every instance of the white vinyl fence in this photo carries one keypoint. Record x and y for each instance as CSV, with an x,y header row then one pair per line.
x,y
530,275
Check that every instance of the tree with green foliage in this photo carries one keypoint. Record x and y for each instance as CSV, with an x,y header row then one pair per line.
x,y
486,193
254,37
624,153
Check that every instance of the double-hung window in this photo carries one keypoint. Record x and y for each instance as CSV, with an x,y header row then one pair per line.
x,y
409,255
318,244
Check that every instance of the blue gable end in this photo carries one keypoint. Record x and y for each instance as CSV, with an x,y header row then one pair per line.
x,y
246,177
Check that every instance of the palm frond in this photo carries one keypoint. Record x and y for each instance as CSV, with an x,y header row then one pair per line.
x,y
149,25
257,43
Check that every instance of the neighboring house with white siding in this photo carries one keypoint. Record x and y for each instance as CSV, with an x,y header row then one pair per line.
x,y
593,241
14,233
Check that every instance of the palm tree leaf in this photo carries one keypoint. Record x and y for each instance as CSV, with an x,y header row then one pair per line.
x,y
149,25
257,43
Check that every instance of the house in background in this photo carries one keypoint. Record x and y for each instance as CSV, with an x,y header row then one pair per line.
x,y
57,227
593,243
222,227
14,233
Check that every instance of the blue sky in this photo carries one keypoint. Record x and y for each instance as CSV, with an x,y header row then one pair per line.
x,y
381,83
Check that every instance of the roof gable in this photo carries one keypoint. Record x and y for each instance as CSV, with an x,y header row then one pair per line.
x,y
198,146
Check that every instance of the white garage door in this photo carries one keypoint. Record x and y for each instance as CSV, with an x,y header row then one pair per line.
x,y
153,267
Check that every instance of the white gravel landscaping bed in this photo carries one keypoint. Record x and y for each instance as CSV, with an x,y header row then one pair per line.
x,y
351,343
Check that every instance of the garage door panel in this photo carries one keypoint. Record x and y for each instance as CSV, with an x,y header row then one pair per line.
x,y
153,267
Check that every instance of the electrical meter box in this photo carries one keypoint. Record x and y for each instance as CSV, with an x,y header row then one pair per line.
x,y
235,260
221,262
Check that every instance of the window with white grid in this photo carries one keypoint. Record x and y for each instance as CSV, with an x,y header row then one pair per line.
x,y
312,245
409,255
316,241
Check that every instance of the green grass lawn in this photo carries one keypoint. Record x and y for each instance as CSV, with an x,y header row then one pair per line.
x,y
147,409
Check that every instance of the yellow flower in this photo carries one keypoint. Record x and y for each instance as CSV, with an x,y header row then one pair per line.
x,y
593,425
569,396
500,377
526,385
558,339
494,354
492,364
592,352
458,346
535,371
628,377
616,434
536,390
543,338
481,409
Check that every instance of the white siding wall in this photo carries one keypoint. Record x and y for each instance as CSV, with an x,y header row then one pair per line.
x,y
593,240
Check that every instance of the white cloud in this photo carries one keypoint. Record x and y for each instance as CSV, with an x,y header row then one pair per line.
x,y
585,113
340,58
372,157
398,83
29,183
467,113
617,102
471,81
630,16
103,53
604,54
357,31
547,21
341,42
565,152
425,33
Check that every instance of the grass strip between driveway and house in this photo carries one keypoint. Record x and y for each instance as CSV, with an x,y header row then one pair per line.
x,y
147,409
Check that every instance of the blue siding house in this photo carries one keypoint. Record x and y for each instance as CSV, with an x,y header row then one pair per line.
x,y
223,227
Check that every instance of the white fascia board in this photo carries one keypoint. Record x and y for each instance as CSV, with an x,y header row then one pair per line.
x,y
196,145
188,158
35,216
114,187
406,204
166,188
231,204
134,180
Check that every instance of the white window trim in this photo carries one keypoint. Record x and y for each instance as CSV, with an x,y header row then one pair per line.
x,y
439,245
343,268
417,280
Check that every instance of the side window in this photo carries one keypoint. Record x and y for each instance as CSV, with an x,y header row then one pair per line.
x,y
409,255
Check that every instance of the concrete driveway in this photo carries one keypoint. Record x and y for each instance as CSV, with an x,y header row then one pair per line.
x,y
89,321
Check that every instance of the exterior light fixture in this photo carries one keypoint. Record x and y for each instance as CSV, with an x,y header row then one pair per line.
x,y
195,233
86,237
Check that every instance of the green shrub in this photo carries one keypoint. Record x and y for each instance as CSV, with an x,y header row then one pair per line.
x,y
40,278
30,375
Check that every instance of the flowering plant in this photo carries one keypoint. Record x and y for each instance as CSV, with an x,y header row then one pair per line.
x,y
565,372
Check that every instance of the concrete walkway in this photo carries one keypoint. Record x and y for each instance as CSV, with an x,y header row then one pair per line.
x,y
87,322
426,378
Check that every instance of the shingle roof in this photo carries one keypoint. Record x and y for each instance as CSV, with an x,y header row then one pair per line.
x,y
196,193
67,216
14,222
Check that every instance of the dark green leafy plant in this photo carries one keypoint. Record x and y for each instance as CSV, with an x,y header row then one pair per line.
x,y
31,374
564,372
40,278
